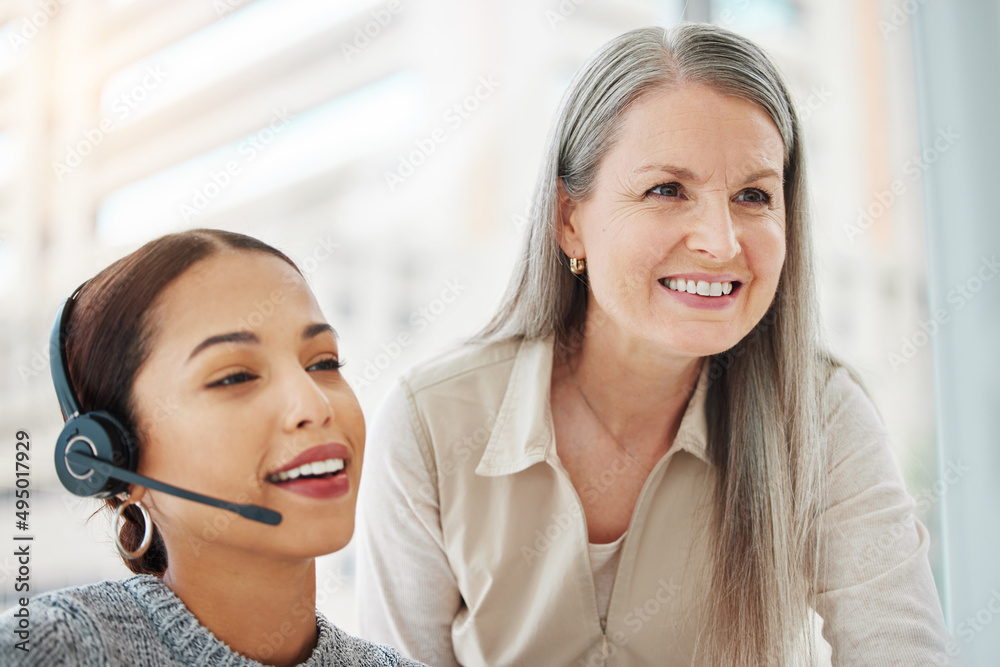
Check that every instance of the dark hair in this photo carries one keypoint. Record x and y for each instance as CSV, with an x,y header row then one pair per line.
x,y
107,341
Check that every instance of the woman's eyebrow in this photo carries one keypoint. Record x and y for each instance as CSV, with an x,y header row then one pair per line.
x,y
248,337
688,175
679,172
234,337
763,173
314,330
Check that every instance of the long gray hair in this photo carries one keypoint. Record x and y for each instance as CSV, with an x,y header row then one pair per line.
x,y
763,405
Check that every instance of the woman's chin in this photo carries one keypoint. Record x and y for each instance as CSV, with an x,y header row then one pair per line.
x,y
700,341
325,541
310,550
312,540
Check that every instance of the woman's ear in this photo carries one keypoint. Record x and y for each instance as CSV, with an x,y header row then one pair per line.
x,y
136,492
568,224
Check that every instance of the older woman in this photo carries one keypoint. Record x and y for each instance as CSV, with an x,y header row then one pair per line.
x,y
202,360
647,458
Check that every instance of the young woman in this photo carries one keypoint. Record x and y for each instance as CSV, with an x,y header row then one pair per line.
x,y
647,457
210,350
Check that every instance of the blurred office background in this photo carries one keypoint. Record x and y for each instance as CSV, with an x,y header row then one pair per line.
x,y
391,148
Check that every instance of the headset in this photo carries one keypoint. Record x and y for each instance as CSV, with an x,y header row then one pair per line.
x,y
95,454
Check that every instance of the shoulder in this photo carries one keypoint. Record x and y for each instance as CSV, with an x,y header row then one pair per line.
x,y
435,404
454,382
66,626
845,397
850,415
336,647
81,604
859,457
462,363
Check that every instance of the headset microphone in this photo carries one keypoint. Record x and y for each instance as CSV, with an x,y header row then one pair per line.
x,y
95,455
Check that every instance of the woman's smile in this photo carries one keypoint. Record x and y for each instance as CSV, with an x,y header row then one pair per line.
x,y
318,472
717,295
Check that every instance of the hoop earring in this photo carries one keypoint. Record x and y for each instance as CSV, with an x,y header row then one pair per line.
x,y
147,533
577,266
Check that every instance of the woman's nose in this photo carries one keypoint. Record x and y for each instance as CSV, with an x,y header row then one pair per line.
x,y
713,234
305,403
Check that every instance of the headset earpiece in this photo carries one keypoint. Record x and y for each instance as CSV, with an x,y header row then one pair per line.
x,y
100,435
95,433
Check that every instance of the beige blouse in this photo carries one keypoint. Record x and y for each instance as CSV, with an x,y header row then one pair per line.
x,y
473,547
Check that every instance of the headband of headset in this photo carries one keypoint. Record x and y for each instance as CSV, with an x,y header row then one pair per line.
x,y
68,402
97,433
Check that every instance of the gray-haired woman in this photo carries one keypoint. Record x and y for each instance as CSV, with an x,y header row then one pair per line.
x,y
647,457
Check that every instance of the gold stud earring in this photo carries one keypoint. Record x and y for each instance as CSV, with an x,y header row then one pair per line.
x,y
577,266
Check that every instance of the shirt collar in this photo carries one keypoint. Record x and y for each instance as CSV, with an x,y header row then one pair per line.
x,y
523,434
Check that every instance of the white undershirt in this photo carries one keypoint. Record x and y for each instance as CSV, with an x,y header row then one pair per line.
x,y
604,564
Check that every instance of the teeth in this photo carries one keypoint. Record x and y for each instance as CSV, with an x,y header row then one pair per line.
x,y
307,469
702,287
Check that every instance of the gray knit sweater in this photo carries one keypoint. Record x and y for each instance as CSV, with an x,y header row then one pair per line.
x,y
139,621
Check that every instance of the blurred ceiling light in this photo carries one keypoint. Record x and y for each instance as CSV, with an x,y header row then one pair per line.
x,y
239,41
314,141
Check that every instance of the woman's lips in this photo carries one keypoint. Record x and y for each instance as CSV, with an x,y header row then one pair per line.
x,y
329,486
318,472
705,302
